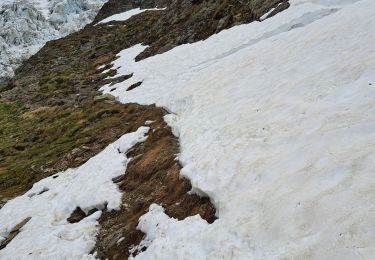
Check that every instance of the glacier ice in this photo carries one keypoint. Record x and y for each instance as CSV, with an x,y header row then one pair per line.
x,y
25,26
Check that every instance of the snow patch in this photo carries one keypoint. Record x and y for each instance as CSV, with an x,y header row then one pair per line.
x,y
48,235
127,15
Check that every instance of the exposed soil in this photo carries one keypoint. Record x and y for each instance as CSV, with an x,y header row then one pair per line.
x,y
151,177
188,21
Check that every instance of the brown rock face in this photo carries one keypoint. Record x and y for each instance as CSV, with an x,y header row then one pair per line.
x,y
77,215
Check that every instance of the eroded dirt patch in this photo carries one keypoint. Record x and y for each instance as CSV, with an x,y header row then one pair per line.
x,y
153,176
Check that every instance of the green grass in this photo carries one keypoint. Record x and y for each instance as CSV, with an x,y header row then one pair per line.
x,y
33,140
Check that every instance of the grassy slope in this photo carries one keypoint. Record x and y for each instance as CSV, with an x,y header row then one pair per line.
x,y
34,142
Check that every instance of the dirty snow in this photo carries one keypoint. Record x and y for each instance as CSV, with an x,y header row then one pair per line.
x,y
50,202
277,125
126,15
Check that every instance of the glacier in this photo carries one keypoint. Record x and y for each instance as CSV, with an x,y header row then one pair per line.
x,y
26,25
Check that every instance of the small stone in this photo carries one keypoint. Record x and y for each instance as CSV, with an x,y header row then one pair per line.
x,y
77,215
92,211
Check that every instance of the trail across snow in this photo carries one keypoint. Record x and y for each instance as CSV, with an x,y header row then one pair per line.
x,y
277,125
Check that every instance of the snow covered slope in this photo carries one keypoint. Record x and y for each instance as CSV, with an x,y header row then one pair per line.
x,y
277,125
26,25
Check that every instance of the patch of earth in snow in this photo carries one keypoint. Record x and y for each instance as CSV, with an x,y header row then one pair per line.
x,y
48,235
277,125
25,26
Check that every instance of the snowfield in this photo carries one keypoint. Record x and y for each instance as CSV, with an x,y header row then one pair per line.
x,y
26,25
48,235
277,125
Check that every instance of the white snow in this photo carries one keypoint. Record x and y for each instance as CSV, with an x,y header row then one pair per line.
x,y
48,235
101,67
277,125
126,15
26,25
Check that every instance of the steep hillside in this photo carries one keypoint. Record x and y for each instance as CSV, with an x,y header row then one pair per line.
x,y
54,118
67,72
194,130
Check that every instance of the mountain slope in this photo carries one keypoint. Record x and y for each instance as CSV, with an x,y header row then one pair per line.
x,y
53,119
274,121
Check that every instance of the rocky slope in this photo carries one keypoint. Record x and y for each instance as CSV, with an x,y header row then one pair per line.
x,y
189,21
